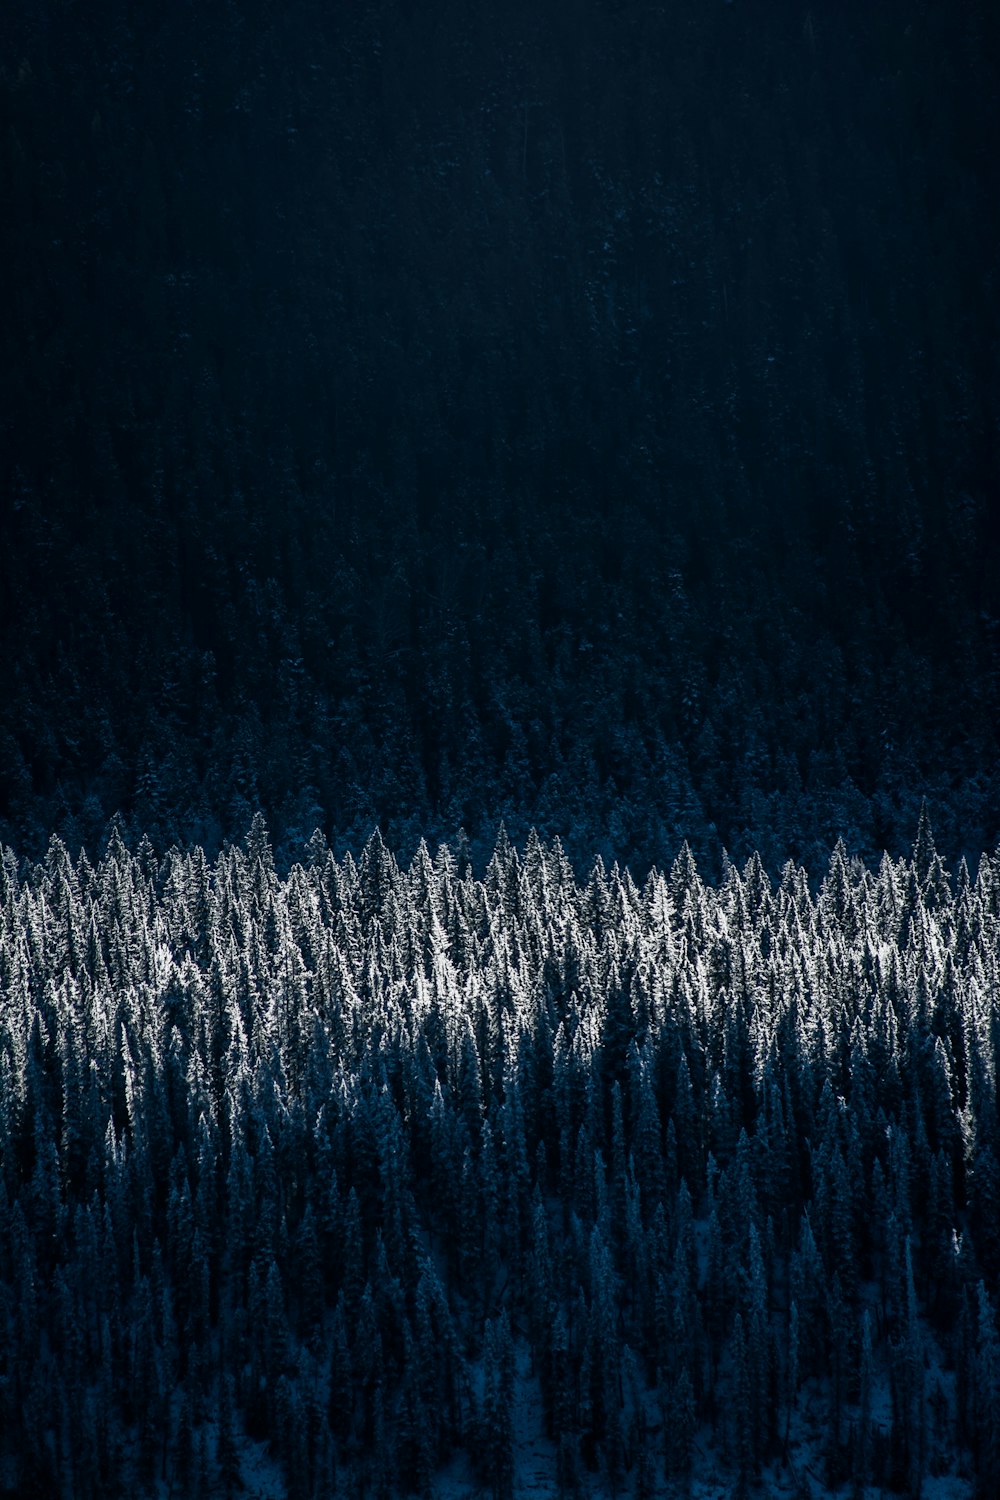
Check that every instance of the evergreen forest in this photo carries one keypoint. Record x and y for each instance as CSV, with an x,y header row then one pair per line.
x,y
499,578
371,1181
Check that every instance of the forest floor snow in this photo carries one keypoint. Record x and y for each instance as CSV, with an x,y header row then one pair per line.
x,y
712,1478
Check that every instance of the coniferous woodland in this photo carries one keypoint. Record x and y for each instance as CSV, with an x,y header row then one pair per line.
x,y
347,1171
580,413
567,415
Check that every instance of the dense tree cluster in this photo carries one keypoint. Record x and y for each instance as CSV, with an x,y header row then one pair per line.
x,y
347,1161
581,412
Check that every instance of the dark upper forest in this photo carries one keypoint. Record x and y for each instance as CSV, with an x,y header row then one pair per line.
x,y
577,412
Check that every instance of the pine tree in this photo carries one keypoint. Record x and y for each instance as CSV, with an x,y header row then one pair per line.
x,y
497,1415
862,1457
679,1423
227,1454
987,1398
340,1399
745,1448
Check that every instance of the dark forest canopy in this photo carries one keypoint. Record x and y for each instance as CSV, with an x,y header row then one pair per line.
x,y
365,1163
577,412
570,412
